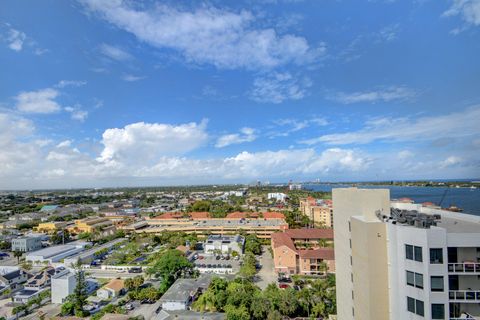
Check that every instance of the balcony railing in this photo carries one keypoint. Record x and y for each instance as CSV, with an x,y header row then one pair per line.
x,y
465,267
464,295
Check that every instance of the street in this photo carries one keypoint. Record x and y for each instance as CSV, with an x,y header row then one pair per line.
x,y
98,273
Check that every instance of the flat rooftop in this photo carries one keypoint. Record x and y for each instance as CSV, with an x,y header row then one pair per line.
x,y
227,223
182,289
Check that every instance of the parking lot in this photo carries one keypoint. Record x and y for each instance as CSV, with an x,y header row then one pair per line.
x,y
209,262
267,274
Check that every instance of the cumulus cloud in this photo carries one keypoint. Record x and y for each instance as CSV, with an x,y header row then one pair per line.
x,y
457,124
144,142
285,127
114,52
131,78
77,113
387,94
468,10
15,39
40,101
207,35
245,135
278,87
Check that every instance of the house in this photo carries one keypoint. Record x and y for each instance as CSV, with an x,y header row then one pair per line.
x,y
114,288
11,279
63,285
37,284
99,225
183,292
277,196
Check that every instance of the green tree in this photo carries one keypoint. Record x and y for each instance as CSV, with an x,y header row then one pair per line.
x,y
17,254
253,244
248,269
170,266
234,313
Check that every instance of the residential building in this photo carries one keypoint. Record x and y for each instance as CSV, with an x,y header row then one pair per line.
x,y
62,285
51,227
98,225
55,254
224,244
37,283
114,288
294,186
183,292
303,251
277,196
319,211
201,223
11,279
400,260
27,243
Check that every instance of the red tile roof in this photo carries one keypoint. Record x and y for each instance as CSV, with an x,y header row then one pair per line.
x,y
180,215
282,239
322,253
310,233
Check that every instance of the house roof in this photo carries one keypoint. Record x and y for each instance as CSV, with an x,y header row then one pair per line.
x,y
180,215
115,284
182,248
321,253
282,239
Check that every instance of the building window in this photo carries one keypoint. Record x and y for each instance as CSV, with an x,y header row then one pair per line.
x,y
411,304
436,255
415,279
419,309
418,254
436,283
419,280
410,278
438,311
409,252
415,306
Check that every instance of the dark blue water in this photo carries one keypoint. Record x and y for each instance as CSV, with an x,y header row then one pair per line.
x,y
467,199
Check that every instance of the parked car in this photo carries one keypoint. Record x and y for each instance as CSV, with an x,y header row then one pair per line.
x,y
283,286
135,270
147,301
129,306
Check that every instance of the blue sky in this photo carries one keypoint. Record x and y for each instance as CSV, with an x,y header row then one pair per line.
x,y
112,93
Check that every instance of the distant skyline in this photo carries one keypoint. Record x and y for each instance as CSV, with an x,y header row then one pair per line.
x,y
111,93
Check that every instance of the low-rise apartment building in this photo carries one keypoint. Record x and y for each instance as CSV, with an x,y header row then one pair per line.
x,y
303,251
27,243
261,224
51,227
97,225
319,211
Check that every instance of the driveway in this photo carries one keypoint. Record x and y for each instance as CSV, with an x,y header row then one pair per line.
x,y
266,274
146,310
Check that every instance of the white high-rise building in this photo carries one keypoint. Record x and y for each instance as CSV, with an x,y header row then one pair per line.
x,y
403,261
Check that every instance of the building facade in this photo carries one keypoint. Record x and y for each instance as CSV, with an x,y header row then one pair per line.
x,y
404,261
27,244
303,251
319,211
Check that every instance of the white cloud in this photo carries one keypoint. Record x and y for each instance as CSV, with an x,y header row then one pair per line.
x,y
114,52
451,161
16,39
64,144
387,94
143,142
245,135
288,126
77,113
131,78
278,87
70,83
209,35
468,10
458,124
41,101
405,154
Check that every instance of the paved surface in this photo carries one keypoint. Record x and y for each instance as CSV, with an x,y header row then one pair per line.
x,y
111,274
266,274
49,310
145,310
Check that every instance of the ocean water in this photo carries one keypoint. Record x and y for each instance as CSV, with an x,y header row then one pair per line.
x,y
467,199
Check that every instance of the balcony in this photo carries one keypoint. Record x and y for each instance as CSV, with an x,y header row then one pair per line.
x,y
464,296
465,267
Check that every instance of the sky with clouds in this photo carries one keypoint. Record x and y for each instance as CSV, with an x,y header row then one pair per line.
x,y
97,93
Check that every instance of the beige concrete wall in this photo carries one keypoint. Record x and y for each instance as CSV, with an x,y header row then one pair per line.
x,y
284,259
348,202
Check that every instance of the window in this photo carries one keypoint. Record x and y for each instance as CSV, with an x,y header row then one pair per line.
x,y
411,304
419,280
436,255
438,311
415,306
409,251
419,308
415,279
418,254
436,283
410,278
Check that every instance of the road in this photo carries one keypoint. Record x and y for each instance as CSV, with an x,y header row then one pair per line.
x,y
266,274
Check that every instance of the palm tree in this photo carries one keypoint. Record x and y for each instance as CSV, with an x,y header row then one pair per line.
x,y
17,254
